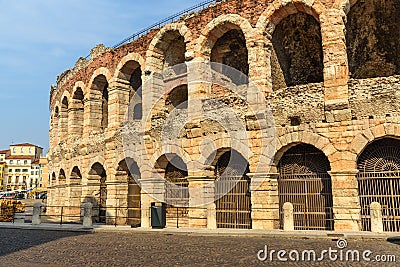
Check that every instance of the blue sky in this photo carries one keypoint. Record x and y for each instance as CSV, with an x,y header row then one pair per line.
x,y
39,39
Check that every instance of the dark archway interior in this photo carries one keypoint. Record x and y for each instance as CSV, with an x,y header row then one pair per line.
x,y
372,36
297,56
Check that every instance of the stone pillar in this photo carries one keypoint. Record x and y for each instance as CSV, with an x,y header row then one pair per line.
x,y
260,63
201,195
117,194
152,191
87,214
212,216
74,200
288,219
264,200
118,101
336,73
75,118
376,217
346,204
92,116
36,213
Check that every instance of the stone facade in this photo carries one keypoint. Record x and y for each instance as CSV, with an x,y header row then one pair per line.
x,y
297,52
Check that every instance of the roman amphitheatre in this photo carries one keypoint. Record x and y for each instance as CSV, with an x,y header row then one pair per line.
x,y
328,74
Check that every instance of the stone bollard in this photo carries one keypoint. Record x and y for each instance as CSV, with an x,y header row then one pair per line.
x,y
87,214
288,220
211,216
376,217
36,213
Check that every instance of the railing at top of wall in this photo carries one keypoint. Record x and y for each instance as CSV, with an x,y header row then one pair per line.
x,y
163,22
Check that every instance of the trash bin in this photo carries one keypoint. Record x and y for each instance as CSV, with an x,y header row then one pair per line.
x,y
158,215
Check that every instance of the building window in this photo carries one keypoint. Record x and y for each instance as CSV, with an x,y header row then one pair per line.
x,y
25,162
32,172
22,150
17,170
18,161
11,161
14,150
41,171
30,150
25,170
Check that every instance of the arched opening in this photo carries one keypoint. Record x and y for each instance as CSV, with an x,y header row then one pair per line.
x,y
296,56
379,181
77,112
232,191
372,30
64,118
304,181
174,51
177,98
176,189
98,173
76,174
230,49
132,72
62,178
132,175
100,94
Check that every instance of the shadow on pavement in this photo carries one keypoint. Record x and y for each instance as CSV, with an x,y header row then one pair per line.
x,y
13,240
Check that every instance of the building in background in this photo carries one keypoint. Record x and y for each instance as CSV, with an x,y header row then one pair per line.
x,y
3,154
44,177
22,166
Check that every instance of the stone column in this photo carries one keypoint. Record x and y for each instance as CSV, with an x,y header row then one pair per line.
x,y
75,118
117,193
336,73
87,214
288,220
376,217
36,213
118,101
346,204
152,191
92,115
260,63
201,196
74,199
264,200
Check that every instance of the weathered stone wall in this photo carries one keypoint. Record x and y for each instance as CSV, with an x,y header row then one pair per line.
x,y
338,116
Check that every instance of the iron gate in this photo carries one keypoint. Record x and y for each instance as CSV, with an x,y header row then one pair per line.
x,y
304,181
232,194
133,203
379,181
176,196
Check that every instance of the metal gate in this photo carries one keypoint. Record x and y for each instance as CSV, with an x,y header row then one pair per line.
x,y
176,196
133,202
103,200
232,193
379,181
304,181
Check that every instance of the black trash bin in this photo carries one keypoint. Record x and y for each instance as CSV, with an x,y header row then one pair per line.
x,y
158,215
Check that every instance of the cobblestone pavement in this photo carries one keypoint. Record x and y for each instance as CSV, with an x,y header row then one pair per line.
x,y
54,248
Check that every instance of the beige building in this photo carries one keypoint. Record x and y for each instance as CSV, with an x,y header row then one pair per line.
x,y
322,131
22,166
44,178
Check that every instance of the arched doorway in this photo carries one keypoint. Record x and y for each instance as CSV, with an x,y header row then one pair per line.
x,y
176,194
379,181
132,174
97,172
304,181
232,191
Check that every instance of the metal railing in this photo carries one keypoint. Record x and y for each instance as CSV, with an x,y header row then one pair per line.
x,y
163,22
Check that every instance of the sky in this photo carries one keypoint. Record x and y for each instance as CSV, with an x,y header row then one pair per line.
x,y
39,39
